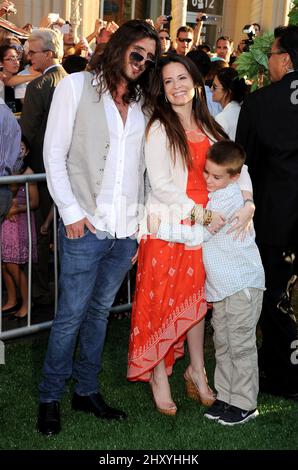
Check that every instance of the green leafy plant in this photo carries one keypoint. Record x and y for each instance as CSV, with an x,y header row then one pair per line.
x,y
293,15
253,65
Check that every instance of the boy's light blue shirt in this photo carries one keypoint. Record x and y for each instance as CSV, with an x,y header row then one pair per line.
x,y
231,265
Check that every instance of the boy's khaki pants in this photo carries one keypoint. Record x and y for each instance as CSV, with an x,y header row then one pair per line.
x,y
234,320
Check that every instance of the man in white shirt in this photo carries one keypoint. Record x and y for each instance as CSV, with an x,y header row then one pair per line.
x,y
92,155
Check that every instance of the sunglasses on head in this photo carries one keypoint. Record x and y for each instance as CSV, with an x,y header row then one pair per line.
x,y
188,40
18,47
136,57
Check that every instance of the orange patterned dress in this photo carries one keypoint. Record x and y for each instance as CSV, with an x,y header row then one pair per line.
x,y
169,297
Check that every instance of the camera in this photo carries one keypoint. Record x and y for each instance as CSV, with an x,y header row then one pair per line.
x,y
249,29
205,18
169,18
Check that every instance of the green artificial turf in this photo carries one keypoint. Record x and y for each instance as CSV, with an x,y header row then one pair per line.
x,y
275,428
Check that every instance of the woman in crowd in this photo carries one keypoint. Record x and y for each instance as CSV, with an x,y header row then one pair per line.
x,y
10,59
165,40
229,91
169,303
10,65
15,241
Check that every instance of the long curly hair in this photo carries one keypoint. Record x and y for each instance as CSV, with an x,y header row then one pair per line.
x,y
108,66
165,114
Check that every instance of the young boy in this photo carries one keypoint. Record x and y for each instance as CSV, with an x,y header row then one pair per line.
x,y
235,283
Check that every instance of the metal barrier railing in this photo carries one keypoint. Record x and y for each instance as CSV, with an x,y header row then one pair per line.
x,y
30,329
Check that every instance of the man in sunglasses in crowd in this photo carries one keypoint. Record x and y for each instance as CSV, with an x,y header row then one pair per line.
x,y
267,129
92,155
184,40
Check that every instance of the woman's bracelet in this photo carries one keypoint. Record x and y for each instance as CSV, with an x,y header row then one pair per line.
x,y
200,216
197,214
207,217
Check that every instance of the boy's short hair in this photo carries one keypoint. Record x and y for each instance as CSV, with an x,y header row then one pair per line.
x,y
228,154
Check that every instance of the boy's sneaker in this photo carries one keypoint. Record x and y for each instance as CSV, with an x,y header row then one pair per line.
x,y
234,415
216,410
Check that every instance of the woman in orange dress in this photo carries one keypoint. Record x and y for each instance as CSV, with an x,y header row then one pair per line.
x,y
169,303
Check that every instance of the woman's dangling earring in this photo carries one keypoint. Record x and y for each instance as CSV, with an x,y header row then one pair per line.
x,y
166,99
196,94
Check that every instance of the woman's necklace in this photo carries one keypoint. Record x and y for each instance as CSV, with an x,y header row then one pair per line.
x,y
195,135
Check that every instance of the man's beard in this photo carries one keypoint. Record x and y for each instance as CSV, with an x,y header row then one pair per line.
x,y
132,79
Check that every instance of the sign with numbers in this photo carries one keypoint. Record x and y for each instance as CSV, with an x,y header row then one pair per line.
x,y
210,7
212,26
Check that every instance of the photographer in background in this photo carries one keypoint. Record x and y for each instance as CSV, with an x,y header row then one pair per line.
x,y
201,17
257,27
250,31
162,22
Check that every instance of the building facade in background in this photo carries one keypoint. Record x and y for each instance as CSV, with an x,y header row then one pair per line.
x,y
225,17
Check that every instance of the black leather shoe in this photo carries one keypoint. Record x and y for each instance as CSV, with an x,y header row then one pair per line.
x,y
96,405
48,421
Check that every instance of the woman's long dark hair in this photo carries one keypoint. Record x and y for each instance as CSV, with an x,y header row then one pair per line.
x,y
110,63
234,86
4,48
164,112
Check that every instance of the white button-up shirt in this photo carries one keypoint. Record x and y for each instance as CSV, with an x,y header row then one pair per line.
x,y
118,197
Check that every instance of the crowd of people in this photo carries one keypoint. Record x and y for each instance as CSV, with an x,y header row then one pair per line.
x,y
144,152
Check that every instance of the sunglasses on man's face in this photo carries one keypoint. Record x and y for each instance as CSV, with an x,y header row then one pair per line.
x,y
136,57
188,40
271,53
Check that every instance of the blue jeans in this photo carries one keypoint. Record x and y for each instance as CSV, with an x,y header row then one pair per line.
x,y
92,271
